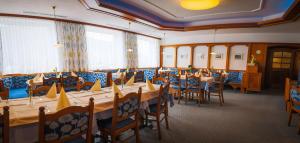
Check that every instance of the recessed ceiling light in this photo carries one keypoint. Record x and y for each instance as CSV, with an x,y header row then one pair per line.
x,y
199,4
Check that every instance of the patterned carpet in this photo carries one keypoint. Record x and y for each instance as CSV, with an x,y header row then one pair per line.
x,y
249,118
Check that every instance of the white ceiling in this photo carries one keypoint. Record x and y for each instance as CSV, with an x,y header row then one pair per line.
x,y
74,10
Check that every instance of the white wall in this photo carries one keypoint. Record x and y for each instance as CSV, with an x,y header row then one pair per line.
x,y
284,33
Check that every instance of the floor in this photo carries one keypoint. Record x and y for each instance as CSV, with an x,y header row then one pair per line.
x,y
249,118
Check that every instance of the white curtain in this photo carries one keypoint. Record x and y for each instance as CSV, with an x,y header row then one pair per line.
x,y
28,45
148,52
105,48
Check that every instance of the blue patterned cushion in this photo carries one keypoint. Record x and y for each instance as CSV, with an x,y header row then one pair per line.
x,y
215,75
70,124
159,82
20,81
149,74
102,76
127,107
234,77
50,75
49,82
7,82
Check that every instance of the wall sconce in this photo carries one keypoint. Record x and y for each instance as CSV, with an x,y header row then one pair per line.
x,y
258,52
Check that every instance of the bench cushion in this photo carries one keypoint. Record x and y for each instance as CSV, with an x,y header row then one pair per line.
x,y
17,93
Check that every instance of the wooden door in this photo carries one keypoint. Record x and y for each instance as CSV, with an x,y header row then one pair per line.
x,y
280,66
296,71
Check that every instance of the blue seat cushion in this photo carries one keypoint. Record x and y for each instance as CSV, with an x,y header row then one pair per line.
x,y
17,93
153,108
68,89
177,87
106,123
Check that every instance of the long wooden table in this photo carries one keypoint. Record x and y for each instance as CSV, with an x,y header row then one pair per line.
x,y
21,113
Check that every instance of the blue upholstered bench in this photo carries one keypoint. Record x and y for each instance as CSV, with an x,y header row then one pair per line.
x,y
17,86
234,79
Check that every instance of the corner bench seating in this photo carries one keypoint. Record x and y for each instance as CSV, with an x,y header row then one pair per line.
x,y
18,88
234,79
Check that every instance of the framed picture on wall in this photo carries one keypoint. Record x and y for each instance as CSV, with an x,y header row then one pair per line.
x,y
219,56
238,56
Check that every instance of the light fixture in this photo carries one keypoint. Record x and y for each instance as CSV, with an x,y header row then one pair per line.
x,y
58,44
199,4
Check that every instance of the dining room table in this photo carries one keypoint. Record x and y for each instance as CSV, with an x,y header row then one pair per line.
x,y
24,113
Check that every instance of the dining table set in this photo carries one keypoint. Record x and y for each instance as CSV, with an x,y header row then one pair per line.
x,y
24,112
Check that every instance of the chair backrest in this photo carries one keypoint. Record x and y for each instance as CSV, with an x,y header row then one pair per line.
x,y
118,81
129,75
85,86
126,107
287,88
139,77
4,125
219,85
159,80
163,96
66,124
50,81
40,91
70,81
4,92
1,85
193,81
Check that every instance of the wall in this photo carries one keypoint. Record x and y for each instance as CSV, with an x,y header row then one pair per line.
x,y
284,33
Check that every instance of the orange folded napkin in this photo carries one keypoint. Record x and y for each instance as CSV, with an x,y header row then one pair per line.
x,y
130,81
63,100
52,91
96,86
115,90
74,74
150,85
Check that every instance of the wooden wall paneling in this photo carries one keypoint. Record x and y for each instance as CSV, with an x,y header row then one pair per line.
x,y
261,58
176,53
192,56
228,57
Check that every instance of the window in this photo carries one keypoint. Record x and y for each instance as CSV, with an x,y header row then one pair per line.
x,y
148,52
105,48
28,45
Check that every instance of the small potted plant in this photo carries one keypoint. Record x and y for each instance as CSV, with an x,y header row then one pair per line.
x,y
190,68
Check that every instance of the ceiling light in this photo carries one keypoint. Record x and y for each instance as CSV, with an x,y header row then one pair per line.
x,y
199,4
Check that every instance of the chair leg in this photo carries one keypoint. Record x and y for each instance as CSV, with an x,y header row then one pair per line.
x,y
113,138
137,134
223,97
158,126
290,118
220,99
167,120
179,97
186,97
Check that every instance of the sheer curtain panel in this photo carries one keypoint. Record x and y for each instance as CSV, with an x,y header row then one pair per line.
x,y
27,45
148,52
105,48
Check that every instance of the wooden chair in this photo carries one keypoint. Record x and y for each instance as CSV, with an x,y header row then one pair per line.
x,y
139,77
4,92
161,107
40,91
216,89
118,81
4,125
193,86
70,83
125,116
287,89
175,85
68,124
129,75
293,105
85,86
159,80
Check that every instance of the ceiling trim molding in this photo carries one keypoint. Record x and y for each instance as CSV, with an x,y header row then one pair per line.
x,y
74,21
259,8
290,15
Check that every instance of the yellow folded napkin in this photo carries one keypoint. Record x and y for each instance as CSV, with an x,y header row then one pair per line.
x,y
36,78
130,81
115,90
52,91
74,74
63,100
96,86
150,85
